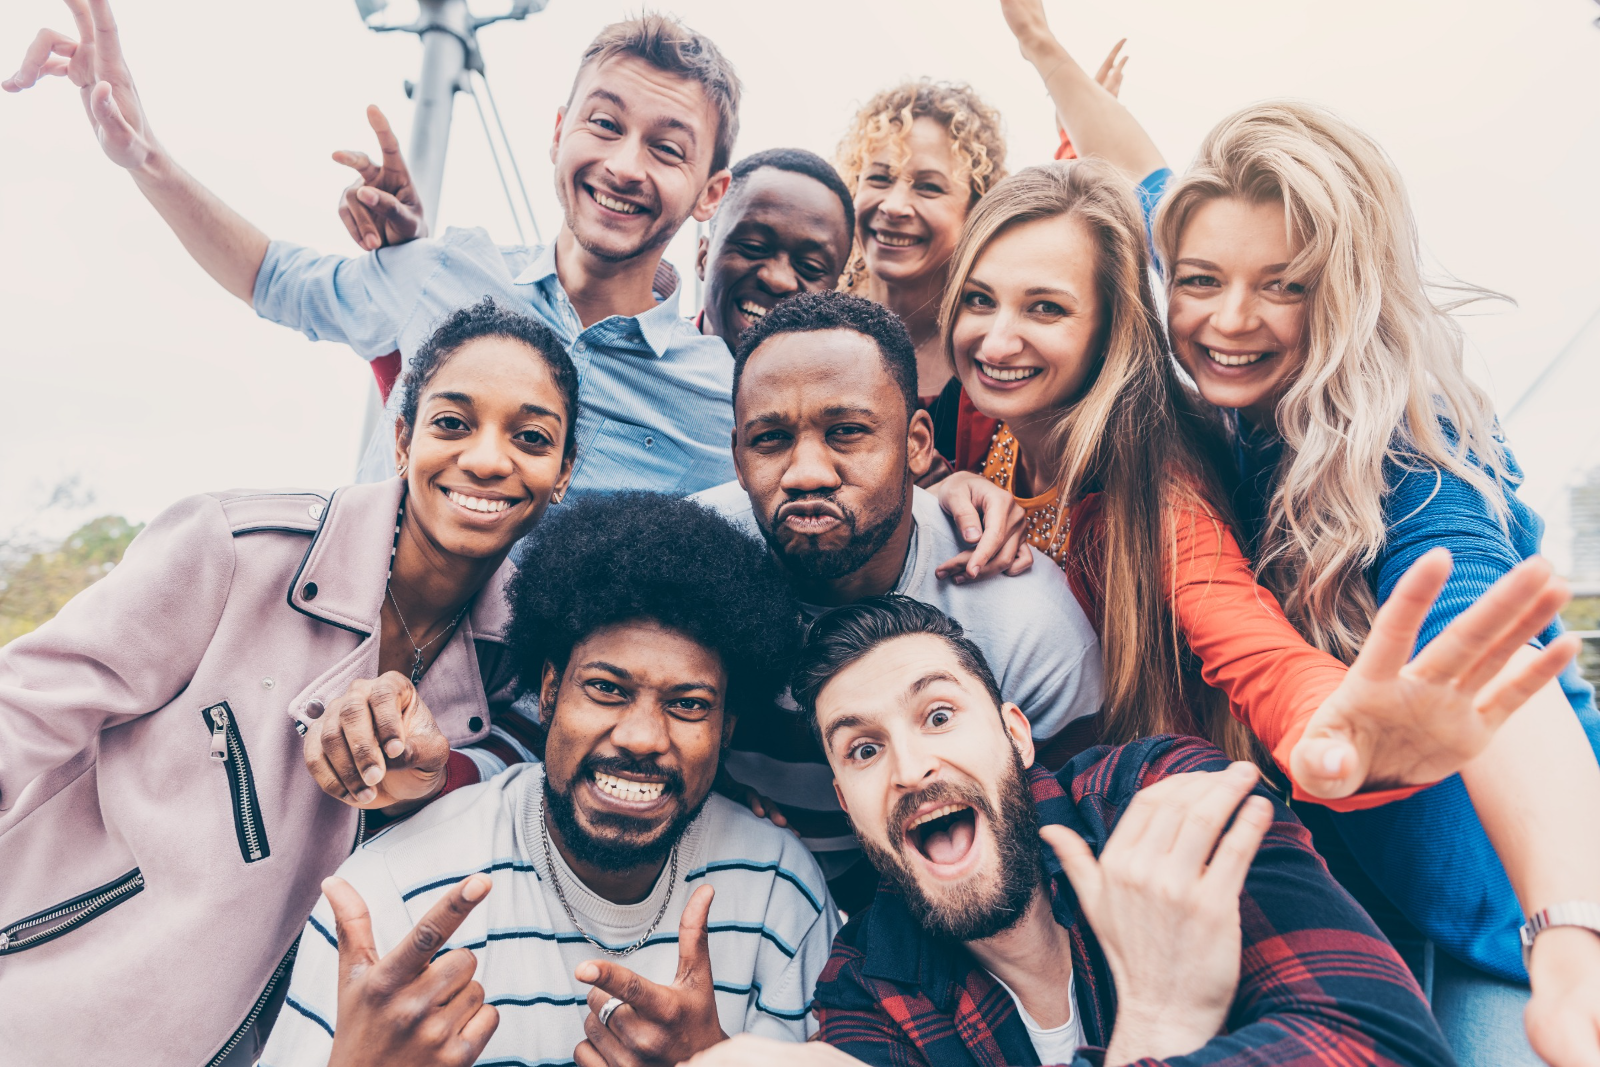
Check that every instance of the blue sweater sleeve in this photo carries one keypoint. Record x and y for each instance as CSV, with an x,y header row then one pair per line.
x,y
1429,853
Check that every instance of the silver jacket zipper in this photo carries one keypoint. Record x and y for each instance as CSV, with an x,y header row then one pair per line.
x,y
53,922
227,748
258,1007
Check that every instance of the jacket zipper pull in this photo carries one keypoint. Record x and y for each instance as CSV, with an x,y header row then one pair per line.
x,y
219,734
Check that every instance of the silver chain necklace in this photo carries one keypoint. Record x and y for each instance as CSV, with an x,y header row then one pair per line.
x,y
417,651
550,862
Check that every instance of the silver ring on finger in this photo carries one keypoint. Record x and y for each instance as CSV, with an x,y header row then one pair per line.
x,y
606,1010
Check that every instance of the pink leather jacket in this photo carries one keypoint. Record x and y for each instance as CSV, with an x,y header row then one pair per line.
x,y
161,842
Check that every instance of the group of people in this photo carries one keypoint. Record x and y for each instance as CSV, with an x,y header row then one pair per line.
x,y
1080,615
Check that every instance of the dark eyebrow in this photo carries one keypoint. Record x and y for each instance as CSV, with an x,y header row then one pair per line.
x,y
610,668
453,397
843,722
765,416
535,409
929,679
607,95
1203,264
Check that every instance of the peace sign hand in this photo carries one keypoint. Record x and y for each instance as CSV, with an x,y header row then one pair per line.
x,y
381,207
1397,721
95,65
407,1008
656,1024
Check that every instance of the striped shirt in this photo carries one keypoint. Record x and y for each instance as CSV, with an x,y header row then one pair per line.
x,y
772,922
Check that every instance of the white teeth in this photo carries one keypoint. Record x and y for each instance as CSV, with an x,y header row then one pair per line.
x,y
624,789
937,813
755,311
616,205
895,240
477,503
1008,374
1234,361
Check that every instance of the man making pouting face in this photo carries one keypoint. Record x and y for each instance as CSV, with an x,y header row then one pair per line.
x,y
1181,917
827,440
635,917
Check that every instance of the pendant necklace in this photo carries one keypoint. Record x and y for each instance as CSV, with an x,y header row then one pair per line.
x,y
417,651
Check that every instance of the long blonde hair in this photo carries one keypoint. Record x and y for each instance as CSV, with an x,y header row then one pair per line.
x,y
1383,360
976,141
1134,435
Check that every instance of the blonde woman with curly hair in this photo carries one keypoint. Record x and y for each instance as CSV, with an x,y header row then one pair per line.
x,y
916,158
1298,306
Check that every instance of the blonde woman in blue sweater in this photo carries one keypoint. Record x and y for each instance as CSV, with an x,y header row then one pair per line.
x,y
1297,306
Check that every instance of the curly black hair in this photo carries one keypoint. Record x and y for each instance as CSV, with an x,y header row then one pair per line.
x,y
833,310
630,556
487,318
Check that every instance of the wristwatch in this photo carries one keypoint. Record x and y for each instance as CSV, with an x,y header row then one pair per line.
x,y
1584,913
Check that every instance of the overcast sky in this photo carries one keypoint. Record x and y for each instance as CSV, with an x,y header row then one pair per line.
x,y
124,365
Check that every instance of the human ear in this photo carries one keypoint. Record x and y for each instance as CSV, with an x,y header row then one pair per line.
x,y
402,446
844,807
700,257
555,135
549,688
562,483
919,443
729,721
1019,730
711,195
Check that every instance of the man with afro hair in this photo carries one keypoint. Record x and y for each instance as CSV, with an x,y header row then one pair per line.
x,y
636,917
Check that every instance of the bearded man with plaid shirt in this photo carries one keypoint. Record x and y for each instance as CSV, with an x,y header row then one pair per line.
x,y
1180,916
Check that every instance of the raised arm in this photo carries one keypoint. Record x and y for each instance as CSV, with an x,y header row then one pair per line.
x,y
1094,119
221,240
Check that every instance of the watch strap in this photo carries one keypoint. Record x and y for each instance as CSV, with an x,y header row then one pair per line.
x,y
1584,913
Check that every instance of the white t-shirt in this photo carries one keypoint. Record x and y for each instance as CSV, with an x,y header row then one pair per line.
x,y
1059,1043
771,929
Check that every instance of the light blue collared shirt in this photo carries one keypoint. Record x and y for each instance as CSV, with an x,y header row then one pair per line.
x,y
654,394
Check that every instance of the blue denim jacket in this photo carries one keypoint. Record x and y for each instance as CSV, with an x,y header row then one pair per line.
x,y
654,394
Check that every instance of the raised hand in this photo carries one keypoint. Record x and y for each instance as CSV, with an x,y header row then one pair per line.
x,y
1166,909
656,1024
403,1010
1396,723
1110,73
378,746
989,519
95,65
382,206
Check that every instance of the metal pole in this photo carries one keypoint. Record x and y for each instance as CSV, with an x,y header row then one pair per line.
x,y
445,27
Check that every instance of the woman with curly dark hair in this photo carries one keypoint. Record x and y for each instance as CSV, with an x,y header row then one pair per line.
x,y
646,624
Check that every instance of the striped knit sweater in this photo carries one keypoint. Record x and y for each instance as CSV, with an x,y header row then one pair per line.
x,y
771,926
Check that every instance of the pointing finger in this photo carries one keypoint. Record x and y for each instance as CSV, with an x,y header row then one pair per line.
x,y
388,143
694,939
615,980
352,925
411,957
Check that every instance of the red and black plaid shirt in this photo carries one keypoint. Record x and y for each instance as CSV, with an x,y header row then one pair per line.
x,y
1318,984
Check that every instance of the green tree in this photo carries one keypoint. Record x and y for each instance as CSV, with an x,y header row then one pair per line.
x,y
36,580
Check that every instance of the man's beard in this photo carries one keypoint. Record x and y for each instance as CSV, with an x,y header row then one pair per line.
x,y
979,908
618,841
808,562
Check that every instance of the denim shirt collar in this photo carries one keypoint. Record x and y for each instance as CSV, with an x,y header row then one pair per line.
x,y
656,326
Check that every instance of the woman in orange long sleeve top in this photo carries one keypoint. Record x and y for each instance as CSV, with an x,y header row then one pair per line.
x,y
1050,322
